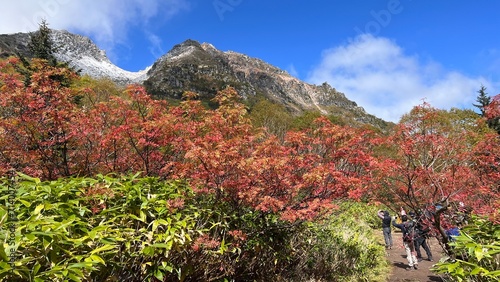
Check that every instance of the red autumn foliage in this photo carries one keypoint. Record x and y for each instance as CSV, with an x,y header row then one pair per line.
x,y
298,177
48,133
36,119
484,197
439,169
493,109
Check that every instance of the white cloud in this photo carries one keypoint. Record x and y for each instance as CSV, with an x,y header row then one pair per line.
x,y
375,73
106,21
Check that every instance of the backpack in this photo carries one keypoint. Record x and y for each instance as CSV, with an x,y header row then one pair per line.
x,y
410,232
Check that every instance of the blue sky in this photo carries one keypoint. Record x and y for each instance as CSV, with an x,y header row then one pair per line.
x,y
386,55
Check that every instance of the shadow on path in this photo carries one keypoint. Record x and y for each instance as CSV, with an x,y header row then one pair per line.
x,y
400,265
397,258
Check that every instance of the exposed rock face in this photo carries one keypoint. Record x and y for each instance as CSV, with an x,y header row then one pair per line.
x,y
79,51
13,44
191,66
204,69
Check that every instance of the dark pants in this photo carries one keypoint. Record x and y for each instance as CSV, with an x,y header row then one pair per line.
x,y
422,241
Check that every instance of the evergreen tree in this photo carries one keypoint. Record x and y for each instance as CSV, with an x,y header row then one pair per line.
x,y
483,100
41,44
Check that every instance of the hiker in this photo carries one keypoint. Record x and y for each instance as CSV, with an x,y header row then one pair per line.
x,y
408,229
421,240
386,227
452,232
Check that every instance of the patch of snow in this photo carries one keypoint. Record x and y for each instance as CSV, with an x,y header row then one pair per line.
x,y
84,56
96,68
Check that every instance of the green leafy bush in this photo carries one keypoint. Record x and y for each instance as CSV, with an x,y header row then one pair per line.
x,y
94,229
477,253
341,248
132,228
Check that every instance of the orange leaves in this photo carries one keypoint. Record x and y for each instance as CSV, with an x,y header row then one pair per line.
x,y
269,204
309,210
493,109
218,151
204,242
238,235
298,177
436,157
36,117
486,156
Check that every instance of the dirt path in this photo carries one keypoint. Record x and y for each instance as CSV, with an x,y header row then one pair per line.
x,y
397,257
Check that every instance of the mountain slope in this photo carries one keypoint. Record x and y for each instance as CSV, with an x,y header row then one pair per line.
x,y
79,51
203,69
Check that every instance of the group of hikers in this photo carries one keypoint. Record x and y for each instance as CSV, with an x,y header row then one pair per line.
x,y
415,234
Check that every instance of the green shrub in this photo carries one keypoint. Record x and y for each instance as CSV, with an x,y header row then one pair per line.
x,y
94,229
341,248
131,228
360,212
476,253
257,245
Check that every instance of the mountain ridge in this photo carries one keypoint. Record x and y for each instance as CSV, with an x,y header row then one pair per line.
x,y
201,68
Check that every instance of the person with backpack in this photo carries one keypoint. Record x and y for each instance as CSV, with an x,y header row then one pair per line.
x,y
386,227
408,229
421,240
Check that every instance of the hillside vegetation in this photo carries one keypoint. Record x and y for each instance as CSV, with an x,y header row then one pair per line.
x,y
132,228
191,66
107,184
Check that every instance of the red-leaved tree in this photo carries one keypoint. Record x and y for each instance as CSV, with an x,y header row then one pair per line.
x,y
298,177
432,167
38,109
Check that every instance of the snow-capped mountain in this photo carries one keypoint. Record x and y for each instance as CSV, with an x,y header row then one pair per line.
x,y
84,55
79,51
202,68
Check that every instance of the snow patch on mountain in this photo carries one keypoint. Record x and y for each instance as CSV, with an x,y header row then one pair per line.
x,y
94,68
84,56
175,56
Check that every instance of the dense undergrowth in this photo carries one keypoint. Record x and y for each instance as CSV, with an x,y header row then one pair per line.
x,y
477,253
255,206
146,229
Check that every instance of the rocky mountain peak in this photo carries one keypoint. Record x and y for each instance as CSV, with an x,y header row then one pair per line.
x,y
83,54
74,46
80,52
185,48
209,47
13,44
202,68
